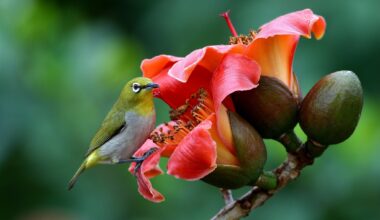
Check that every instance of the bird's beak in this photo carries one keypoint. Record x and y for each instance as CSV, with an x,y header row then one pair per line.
x,y
151,85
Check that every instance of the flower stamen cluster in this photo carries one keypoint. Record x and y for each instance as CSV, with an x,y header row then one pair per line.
x,y
184,118
243,39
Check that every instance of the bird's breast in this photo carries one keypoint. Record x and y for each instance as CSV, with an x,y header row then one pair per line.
x,y
137,130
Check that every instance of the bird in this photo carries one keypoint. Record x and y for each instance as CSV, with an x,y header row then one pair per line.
x,y
125,128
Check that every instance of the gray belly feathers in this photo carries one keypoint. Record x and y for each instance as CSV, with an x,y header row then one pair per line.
x,y
124,144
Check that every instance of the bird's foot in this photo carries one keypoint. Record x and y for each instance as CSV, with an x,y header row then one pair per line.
x,y
139,160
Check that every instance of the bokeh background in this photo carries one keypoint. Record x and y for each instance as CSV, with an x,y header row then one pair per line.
x,y
63,63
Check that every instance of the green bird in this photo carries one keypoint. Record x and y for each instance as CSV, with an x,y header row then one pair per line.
x,y
126,127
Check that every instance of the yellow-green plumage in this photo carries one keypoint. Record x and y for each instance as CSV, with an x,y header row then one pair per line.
x,y
124,129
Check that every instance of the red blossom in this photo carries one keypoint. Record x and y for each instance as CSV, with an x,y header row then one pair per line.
x,y
198,87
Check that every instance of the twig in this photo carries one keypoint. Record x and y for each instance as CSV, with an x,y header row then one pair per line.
x,y
289,170
227,196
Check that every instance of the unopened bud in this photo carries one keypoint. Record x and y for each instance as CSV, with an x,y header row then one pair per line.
x,y
331,110
271,108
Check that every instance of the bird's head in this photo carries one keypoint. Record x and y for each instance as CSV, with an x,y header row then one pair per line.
x,y
138,90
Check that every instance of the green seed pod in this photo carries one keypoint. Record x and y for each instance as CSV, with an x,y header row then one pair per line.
x,y
271,107
331,110
250,151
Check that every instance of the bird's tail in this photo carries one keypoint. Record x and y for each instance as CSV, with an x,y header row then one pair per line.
x,y
76,175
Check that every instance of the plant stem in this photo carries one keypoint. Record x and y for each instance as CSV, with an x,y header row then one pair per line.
x,y
314,149
267,180
288,171
290,141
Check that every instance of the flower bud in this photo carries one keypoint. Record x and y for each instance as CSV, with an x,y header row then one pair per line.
x,y
271,107
331,110
250,151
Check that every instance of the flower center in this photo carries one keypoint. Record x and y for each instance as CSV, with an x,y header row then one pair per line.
x,y
243,39
184,118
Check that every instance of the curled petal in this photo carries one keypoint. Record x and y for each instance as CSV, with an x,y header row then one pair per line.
x,y
274,46
275,56
148,169
152,67
183,69
235,73
319,28
146,190
207,57
299,23
195,155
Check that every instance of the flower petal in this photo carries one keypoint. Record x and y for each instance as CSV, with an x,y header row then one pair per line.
x,y
299,23
183,69
149,169
274,46
235,73
146,190
207,57
195,155
174,92
275,56
225,149
152,67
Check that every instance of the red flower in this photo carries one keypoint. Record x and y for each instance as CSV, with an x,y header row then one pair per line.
x,y
198,86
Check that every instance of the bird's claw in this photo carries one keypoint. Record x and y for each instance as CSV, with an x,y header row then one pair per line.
x,y
140,160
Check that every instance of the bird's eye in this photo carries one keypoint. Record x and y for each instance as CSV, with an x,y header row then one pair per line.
x,y
136,87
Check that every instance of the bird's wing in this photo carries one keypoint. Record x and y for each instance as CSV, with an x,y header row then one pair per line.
x,y
111,126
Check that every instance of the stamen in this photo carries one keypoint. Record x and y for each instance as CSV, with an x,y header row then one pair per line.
x,y
185,118
252,34
226,16
176,113
244,39
207,106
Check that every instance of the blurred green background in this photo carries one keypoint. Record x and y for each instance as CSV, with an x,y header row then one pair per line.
x,y
63,63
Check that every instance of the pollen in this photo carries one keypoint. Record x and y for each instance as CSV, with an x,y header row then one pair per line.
x,y
243,39
184,119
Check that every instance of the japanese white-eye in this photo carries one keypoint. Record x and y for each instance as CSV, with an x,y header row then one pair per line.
x,y
125,128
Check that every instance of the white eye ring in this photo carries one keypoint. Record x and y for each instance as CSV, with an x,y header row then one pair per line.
x,y
136,87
